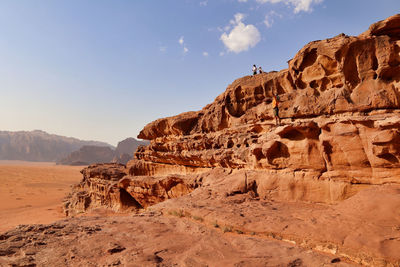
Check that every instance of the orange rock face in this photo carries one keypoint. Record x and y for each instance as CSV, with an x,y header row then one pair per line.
x,y
339,104
340,133
333,76
109,185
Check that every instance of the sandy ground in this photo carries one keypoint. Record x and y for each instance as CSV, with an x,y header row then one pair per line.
x,y
32,192
149,240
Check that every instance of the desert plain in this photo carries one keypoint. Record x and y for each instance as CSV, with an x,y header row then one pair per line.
x,y
32,192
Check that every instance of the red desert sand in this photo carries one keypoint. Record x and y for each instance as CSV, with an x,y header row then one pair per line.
x,y
32,192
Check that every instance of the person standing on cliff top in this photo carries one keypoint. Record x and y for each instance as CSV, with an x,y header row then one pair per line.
x,y
260,70
275,107
254,69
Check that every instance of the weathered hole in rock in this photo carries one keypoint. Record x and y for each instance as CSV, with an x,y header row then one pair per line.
x,y
257,152
259,92
309,59
277,154
230,144
216,146
325,84
374,62
127,200
279,89
252,187
257,129
350,69
292,134
328,150
389,157
366,163
314,84
300,84
392,74
368,124
186,125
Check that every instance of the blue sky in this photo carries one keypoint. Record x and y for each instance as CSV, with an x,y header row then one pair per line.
x,y
101,70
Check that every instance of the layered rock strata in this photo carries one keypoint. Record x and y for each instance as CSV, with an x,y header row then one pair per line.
x,y
340,110
340,133
109,185
340,130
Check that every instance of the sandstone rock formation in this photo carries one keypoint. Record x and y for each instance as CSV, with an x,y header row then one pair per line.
x,y
327,179
87,155
340,109
110,185
128,146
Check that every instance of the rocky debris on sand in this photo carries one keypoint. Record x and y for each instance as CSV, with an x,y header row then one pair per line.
x,y
147,240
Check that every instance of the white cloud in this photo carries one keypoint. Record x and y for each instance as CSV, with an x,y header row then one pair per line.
x,y
182,43
269,18
299,5
268,21
242,1
163,49
241,37
238,18
203,3
205,54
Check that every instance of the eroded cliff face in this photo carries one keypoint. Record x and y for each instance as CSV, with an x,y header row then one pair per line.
x,y
338,75
340,130
340,133
109,185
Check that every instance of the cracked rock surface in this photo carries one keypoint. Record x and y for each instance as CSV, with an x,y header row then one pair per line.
x,y
146,240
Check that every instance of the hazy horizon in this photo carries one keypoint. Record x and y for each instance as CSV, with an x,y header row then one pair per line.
x,y
34,130
101,70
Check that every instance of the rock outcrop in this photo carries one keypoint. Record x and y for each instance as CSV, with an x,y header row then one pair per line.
x,y
340,134
87,155
340,131
128,146
109,185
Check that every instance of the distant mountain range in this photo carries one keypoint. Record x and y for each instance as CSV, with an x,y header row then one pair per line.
x,y
41,146
99,154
